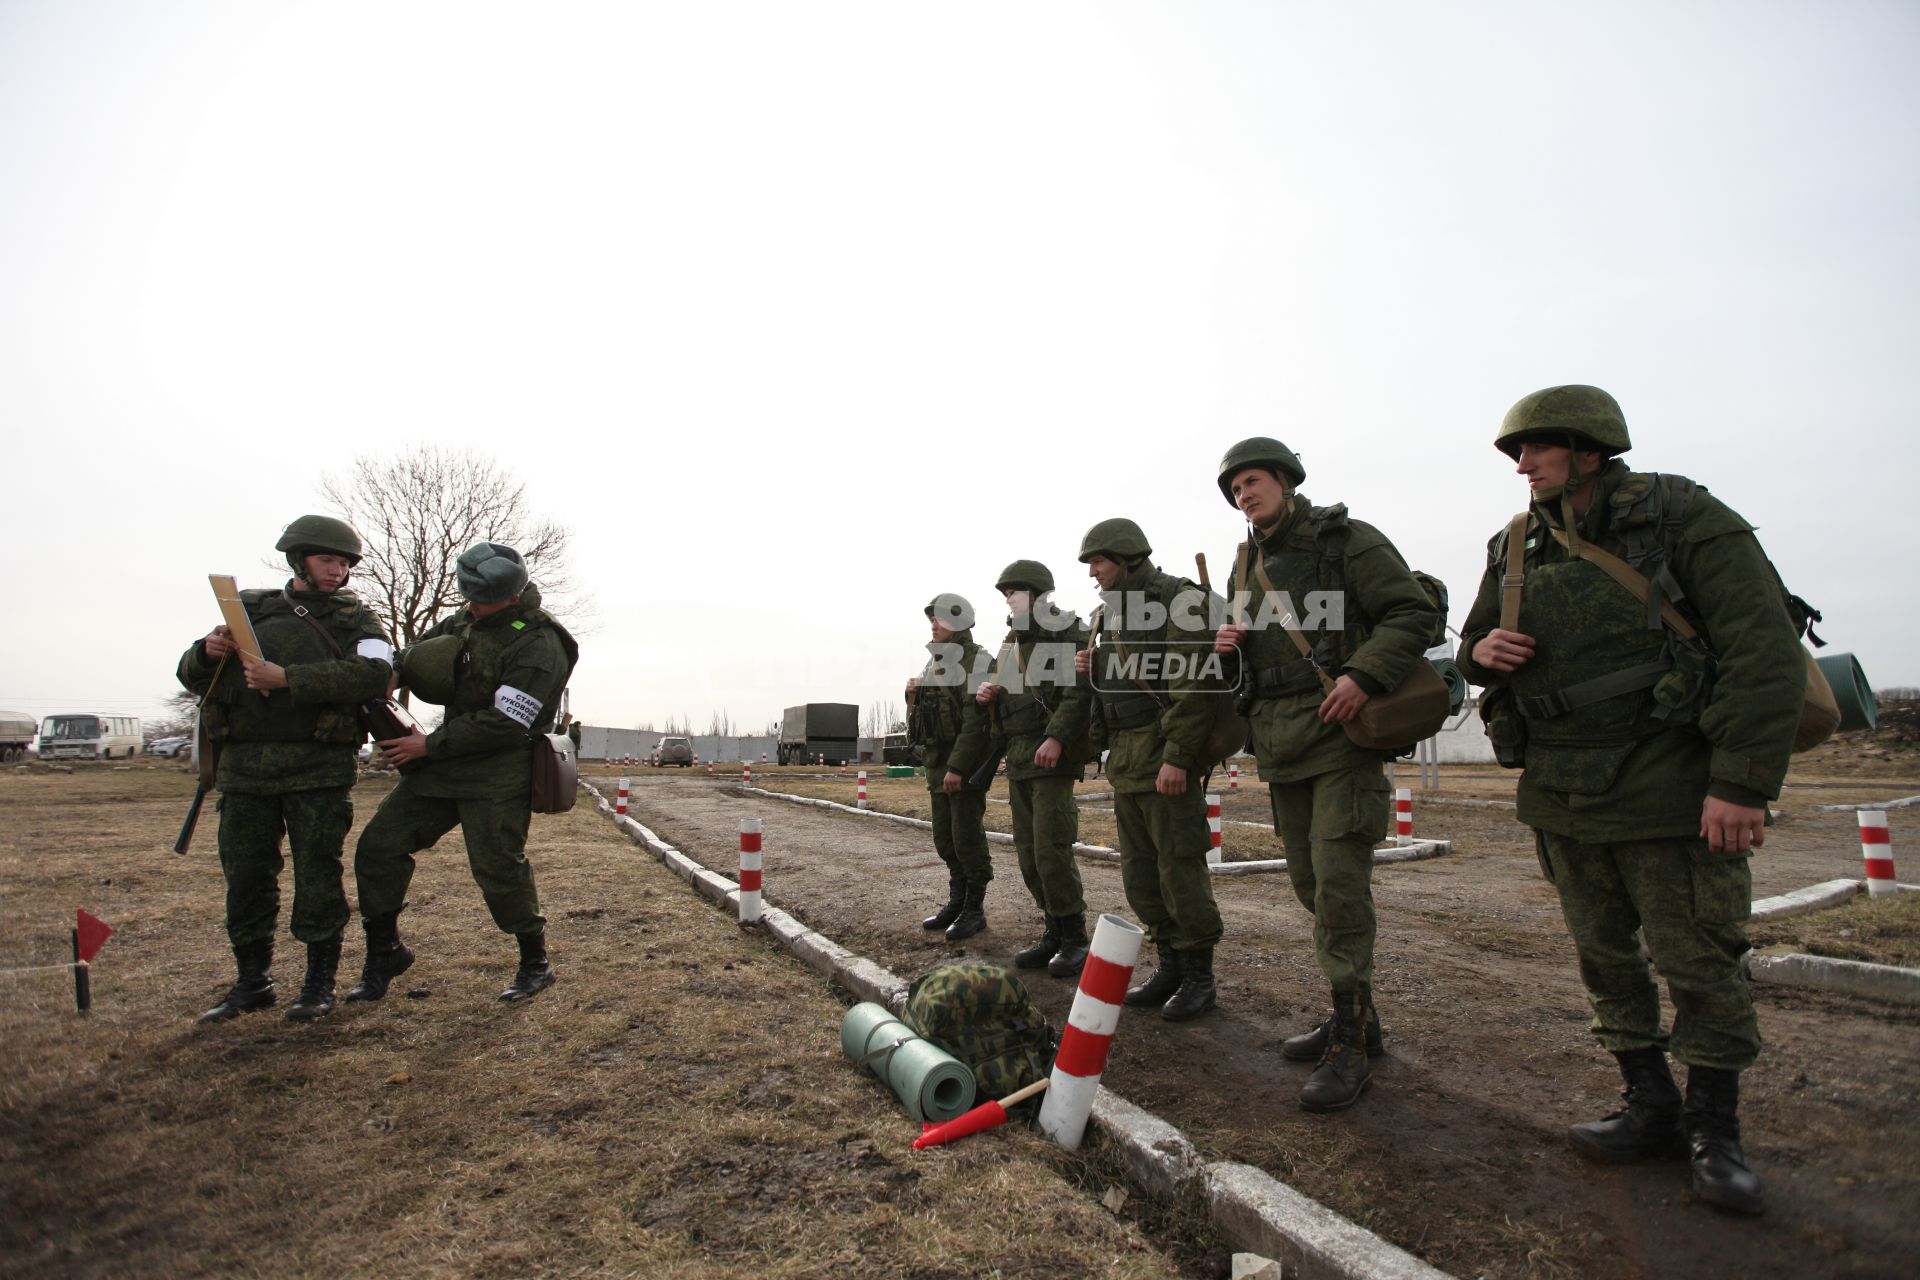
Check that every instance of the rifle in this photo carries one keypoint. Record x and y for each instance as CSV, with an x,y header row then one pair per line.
x,y
207,753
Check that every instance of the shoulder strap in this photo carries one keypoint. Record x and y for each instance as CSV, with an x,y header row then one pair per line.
x,y
305,615
1516,576
1293,630
1627,576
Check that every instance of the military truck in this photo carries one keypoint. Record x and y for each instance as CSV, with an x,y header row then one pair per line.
x,y
16,735
816,729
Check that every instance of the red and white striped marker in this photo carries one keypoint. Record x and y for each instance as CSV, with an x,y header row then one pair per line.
x,y
1213,826
1403,815
1091,1022
763,757
1233,777
819,758
620,798
746,772
1876,844
749,870
863,788
709,765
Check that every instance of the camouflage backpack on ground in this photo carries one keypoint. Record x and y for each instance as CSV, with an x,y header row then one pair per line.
x,y
983,1016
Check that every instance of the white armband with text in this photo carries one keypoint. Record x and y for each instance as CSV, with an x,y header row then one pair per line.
x,y
379,650
521,708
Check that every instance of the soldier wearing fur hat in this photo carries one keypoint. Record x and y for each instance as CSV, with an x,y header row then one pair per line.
x,y
499,666
286,729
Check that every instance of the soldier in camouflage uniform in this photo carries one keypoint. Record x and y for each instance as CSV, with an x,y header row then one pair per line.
x,y
957,778
1330,797
1649,762
286,730
499,666
1040,705
1153,734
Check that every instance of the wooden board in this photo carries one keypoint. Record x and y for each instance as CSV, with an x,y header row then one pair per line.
x,y
234,614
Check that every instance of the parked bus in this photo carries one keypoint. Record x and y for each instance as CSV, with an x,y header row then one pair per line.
x,y
81,736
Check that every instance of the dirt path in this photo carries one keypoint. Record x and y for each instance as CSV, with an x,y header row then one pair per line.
x,y
1458,1153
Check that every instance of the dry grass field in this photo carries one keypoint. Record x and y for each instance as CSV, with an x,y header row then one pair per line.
x,y
676,1106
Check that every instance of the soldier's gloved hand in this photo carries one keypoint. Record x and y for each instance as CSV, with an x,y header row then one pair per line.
x,y
988,692
1503,650
952,782
1172,780
1732,829
1047,754
1228,638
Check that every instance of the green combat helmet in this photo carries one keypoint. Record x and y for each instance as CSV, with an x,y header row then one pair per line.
x,y
428,668
955,612
310,535
1588,414
1260,451
1030,574
1117,539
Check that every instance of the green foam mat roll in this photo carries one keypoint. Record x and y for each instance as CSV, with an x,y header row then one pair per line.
x,y
1858,710
934,1085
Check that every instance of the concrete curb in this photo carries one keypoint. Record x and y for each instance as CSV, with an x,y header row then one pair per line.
x,y
1905,803
1842,977
1250,1207
1817,897
1096,851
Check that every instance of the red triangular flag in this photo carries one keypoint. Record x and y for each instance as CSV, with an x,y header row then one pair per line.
x,y
93,935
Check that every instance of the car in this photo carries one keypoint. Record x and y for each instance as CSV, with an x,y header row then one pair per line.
x,y
673,751
174,746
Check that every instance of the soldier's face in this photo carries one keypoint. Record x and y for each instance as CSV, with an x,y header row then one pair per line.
x,y
1547,467
941,631
326,572
1260,495
1105,570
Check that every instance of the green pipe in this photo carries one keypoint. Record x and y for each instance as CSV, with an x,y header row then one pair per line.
x,y
934,1085
1858,710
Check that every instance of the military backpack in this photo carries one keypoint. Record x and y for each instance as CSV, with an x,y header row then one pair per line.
x,y
982,1015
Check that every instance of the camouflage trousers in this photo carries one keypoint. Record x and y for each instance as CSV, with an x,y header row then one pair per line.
x,y
1046,822
1163,865
1689,905
960,831
1330,824
495,831
315,824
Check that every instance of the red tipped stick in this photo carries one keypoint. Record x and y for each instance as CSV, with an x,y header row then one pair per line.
x,y
988,1115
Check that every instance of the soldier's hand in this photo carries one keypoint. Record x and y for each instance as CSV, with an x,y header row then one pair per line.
x,y
1730,828
1503,650
1228,638
912,684
952,782
218,643
265,675
1344,701
1083,661
1047,754
1172,780
988,692
395,752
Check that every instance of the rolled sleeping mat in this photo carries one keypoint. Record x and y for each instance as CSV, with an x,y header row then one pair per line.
x,y
1456,683
934,1085
1851,692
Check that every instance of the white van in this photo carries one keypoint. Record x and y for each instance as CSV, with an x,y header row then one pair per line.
x,y
85,736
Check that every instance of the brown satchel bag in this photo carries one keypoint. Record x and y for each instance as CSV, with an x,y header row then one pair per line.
x,y
556,773
1413,711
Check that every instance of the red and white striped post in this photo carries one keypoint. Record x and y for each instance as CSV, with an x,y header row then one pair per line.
x,y
709,766
1213,826
1876,844
749,870
819,758
1403,815
620,799
1233,777
863,788
763,757
746,772
1091,1022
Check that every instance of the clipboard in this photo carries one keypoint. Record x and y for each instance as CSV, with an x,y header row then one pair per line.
x,y
234,614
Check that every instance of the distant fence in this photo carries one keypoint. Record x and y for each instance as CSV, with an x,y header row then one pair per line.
x,y
600,743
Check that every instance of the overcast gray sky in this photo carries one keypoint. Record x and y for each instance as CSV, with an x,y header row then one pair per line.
x,y
801,313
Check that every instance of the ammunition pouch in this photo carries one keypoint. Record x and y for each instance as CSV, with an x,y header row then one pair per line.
x,y
1505,728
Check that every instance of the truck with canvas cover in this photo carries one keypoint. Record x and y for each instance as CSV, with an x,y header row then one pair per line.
x,y
820,729
16,735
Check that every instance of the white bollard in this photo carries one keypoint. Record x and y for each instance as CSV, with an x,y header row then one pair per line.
x,y
1876,844
620,799
763,757
863,789
1403,816
746,772
1233,777
1091,1022
709,765
1213,827
749,870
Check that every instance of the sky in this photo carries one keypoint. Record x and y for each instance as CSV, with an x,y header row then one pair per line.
x,y
797,315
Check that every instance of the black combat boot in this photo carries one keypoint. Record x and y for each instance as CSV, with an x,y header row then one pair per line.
x,y
1072,956
1195,995
316,993
1037,955
1721,1175
956,894
1648,1126
1160,984
1343,1074
253,989
973,916
535,973
1309,1046
387,959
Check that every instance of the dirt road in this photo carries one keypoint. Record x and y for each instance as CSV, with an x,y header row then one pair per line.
x,y
1458,1153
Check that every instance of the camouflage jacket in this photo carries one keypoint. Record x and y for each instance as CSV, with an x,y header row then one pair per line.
x,y
507,682
302,736
1380,625
937,714
1053,701
1640,765
1144,728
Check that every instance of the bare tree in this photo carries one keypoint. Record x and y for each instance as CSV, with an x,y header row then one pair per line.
x,y
721,725
418,510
